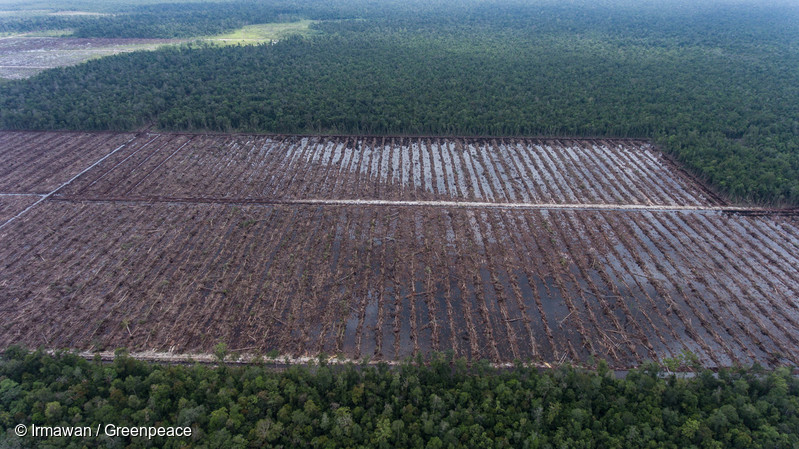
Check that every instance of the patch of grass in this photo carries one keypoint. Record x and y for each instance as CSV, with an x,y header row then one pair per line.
x,y
76,13
66,32
262,32
6,13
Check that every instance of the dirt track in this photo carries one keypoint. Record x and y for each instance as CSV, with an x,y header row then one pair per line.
x,y
503,249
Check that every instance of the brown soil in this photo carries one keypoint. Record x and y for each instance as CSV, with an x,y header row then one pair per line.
x,y
177,242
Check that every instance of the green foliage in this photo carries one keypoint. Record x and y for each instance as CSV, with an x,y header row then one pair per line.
x,y
716,85
443,404
221,351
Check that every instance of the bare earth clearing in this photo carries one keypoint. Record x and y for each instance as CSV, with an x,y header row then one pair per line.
x,y
23,57
532,249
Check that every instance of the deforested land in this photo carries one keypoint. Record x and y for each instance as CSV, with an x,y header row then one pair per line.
x,y
383,248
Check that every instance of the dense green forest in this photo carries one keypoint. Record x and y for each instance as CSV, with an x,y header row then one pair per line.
x,y
716,85
443,404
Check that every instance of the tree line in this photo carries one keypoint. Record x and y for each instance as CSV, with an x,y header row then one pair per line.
x,y
444,403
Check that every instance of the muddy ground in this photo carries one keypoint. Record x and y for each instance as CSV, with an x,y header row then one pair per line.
x,y
403,169
156,248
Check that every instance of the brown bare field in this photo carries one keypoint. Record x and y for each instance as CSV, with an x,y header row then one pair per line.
x,y
385,168
11,205
175,242
25,56
40,162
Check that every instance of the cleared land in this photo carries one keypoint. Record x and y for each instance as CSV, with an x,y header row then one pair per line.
x,y
41,162
393,169
23,57
548,250
12,204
